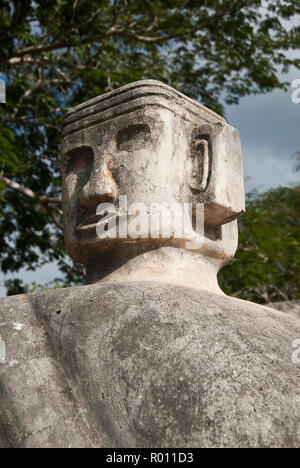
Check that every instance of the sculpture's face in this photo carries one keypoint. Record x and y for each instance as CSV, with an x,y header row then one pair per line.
x,y
150,155
144,155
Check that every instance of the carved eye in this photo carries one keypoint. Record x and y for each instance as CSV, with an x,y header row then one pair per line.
x,y
133,137
78,159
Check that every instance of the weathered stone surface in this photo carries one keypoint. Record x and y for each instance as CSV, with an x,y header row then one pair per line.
x,y
154,145
148,365
289,307
38,407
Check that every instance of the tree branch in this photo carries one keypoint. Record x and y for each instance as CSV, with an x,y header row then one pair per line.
x,y
210,20
46,203
114,31
59,45
15,186
55,220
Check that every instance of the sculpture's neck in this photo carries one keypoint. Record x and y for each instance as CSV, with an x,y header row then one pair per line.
x,y
166,264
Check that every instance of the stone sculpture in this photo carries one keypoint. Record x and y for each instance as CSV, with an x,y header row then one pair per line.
x,y
164,153
150,353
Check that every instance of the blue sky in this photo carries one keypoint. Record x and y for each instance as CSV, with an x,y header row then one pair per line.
x,y
269,126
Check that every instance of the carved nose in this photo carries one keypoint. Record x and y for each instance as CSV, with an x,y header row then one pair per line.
x,y
101,188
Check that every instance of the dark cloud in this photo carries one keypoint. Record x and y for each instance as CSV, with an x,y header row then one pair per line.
x,y
269,126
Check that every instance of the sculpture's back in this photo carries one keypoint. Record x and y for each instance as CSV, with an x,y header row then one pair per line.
x,y
152,353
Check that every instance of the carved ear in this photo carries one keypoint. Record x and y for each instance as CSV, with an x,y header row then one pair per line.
x,y
216,177
201,162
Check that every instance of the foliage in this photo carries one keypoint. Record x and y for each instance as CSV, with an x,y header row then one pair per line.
x,y
14,287
267,264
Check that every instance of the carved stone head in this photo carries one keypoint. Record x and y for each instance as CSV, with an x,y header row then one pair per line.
x,y
153,144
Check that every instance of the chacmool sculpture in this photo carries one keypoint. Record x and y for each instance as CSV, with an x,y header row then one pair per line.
x,y
150,353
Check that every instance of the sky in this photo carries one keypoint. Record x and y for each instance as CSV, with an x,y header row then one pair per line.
x,y
269,126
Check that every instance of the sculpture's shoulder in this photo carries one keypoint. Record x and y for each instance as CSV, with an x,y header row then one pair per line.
x,y
36,399
60,301
288,307
14,305
101,298
26,309
24,302
149,364
175,366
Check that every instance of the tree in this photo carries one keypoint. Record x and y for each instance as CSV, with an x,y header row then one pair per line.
x,y
267,264
57,53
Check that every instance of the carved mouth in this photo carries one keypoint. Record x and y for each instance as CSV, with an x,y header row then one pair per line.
x,y
91,222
